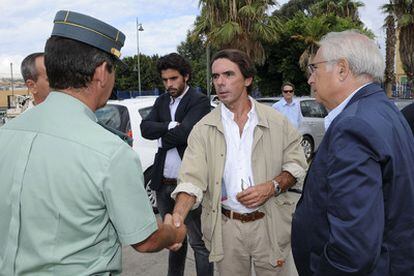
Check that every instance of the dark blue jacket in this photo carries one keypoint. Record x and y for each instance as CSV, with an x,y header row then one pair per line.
x,y
356,214
192,107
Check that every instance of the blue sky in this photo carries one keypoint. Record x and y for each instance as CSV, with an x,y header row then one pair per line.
x,y
26,25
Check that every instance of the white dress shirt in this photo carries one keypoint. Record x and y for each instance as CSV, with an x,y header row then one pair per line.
x,y
290,110
337,110
173,159
238,165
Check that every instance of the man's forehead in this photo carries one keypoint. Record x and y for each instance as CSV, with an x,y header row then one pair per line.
x,y
222,65
170,72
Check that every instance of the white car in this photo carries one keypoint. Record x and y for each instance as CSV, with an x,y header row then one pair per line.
x,y
126,116
312,126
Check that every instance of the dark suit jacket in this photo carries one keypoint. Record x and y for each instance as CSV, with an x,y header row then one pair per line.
x,y
356,214
408,113
192,107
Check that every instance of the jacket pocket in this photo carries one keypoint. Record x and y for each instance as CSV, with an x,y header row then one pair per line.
x,y
282,212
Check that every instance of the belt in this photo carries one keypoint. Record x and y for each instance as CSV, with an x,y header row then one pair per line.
x,y
169,181
298,191
243,217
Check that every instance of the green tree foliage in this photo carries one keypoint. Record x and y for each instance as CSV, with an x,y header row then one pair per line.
x,y
241,24
195,52
288,57
128,79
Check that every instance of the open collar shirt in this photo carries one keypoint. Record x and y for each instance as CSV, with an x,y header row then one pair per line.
x,y
337,110
290,110
172,159
238,166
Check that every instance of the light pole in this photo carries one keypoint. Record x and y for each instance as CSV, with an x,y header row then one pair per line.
x,y
139,29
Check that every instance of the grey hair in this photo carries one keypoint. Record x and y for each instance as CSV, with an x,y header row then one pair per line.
x,y
28,67
361,52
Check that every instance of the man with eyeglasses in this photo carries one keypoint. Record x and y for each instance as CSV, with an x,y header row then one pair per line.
x,y
289,106
355,216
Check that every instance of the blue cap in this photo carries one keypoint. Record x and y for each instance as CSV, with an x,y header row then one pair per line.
x,y
89,30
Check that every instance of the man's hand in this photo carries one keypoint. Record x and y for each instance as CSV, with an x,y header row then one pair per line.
x,y
179,228
256,195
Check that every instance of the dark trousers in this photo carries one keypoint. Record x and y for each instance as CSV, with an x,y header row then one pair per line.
x,y
176,260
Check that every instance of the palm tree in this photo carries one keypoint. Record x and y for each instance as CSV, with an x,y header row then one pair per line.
x,y
389,75
403,11
241,24
342,8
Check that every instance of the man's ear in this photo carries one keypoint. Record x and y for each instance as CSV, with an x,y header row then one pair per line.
x,y
343,69
31,86
248,81
101,75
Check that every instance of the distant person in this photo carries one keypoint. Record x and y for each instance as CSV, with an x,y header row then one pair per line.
x,y
245,166
288,105
355,216
72,192
408,113
35,78
170,121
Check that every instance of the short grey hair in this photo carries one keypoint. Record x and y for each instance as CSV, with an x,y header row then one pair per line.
x,y
361,52
28,67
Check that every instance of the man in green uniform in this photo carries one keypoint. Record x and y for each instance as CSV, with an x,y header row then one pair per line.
x,y
71,192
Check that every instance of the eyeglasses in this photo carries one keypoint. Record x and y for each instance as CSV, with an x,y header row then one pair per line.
x,y
312,66
287,91
245,185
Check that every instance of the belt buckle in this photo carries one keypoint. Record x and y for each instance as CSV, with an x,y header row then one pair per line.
x,y
243,218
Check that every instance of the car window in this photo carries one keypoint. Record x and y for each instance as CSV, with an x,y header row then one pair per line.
x,y
313,109
144,111
114,116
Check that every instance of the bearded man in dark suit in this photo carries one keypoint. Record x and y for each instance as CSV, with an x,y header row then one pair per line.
x,y
170,121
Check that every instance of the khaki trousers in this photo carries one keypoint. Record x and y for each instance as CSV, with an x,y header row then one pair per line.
x,y
246,246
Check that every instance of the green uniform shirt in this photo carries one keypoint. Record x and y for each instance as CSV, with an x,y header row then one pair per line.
x,y
70,193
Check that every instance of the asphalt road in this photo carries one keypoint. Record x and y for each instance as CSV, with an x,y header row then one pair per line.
x,y
152,264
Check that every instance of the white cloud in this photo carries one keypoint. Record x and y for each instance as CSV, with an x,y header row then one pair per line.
x,y
26,24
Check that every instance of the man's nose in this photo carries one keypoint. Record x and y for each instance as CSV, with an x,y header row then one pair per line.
x,y
220,80
311,79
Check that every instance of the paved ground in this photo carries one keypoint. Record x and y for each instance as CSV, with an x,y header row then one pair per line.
x,y
152,264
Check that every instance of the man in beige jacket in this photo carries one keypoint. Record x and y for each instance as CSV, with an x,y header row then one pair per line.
x,y
245,165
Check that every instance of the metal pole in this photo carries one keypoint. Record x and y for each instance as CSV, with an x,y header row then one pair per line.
x,y
208,71
12,81
139,29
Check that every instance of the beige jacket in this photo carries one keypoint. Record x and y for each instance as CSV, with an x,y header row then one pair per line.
x,y
276,148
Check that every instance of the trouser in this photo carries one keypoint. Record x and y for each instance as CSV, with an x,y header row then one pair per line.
x,y
247,243
176,260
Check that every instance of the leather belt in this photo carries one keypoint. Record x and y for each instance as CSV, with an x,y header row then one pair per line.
x,y
243,217
169,181
298,191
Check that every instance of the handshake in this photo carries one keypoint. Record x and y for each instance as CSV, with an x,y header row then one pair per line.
x,y
170,234
178,230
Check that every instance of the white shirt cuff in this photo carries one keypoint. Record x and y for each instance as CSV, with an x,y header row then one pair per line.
x,y
191,189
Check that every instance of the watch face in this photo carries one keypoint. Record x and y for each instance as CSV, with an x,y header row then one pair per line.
x,y
278,190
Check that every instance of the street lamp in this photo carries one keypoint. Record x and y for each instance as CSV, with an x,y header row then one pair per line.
x,y
139,29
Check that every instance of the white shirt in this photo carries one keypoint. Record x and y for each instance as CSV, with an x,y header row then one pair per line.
x,y
337,110
173,159
290,110
238,163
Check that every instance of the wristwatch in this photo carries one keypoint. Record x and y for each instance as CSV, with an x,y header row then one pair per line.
x,y
278,190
